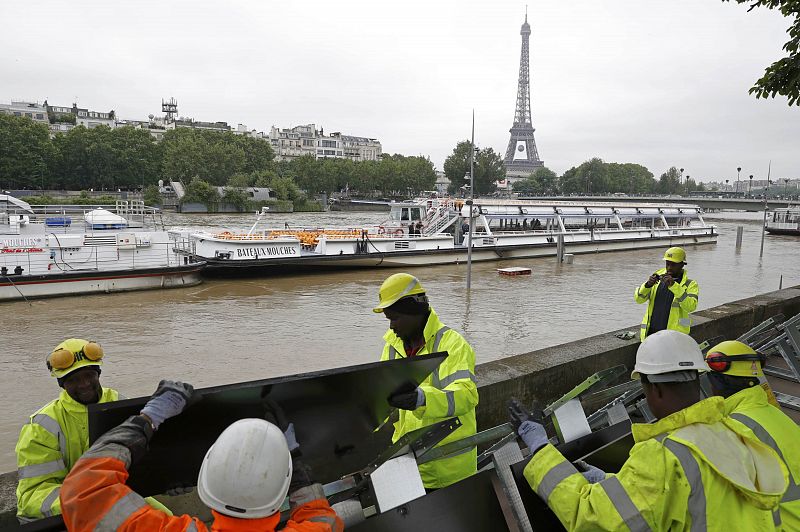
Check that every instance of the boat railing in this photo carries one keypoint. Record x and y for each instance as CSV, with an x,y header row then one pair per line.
x,y
95,258
137,214
442,218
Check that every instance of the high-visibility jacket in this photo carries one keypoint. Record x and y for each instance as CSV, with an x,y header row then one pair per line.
x,y
686,293
49,445
94,495
449,391
751,408
693,470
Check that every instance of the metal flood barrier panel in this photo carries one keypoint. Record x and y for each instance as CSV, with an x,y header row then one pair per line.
x,y
471,505
335,413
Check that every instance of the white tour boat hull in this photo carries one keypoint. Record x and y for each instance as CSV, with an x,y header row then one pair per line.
x,y
501,231
106,282
42,255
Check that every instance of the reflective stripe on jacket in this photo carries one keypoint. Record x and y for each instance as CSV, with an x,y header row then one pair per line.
x,y
686,294
449,391
95,497
751,408
693,470
48,446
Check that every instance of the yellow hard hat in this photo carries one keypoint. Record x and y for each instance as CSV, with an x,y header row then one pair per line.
x,y
395,288
73,354
736,359
675,255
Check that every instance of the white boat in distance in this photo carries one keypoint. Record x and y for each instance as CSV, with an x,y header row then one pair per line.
x,y
784,221
44,254
434,231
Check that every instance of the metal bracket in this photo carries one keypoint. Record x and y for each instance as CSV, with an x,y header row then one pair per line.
x,y
601,377
421,440
788,401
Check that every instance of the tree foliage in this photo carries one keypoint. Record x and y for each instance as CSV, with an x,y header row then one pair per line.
x,y
783,76
488,168
25,153
540,181
199,191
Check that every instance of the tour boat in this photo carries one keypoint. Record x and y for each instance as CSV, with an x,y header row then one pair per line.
x,y
436,231
44,254
784,221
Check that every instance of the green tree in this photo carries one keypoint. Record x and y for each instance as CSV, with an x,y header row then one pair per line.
x,y
540,181
151,195
783,76
488,169
670,182
237,197
286,189
456,167
590,177
26,153
199,191
630,178
241,180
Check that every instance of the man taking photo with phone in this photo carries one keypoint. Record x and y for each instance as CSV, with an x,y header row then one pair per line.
x,y
670,295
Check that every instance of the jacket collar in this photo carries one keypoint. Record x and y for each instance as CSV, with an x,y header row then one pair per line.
x,y
708,410
74,407
752,397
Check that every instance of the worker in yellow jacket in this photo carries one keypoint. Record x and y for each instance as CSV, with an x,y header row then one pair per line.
x,y
737,375
670,295
693,469
415,330
58,433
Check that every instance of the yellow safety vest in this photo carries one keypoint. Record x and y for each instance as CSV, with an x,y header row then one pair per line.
x,y
449,391
48,446
686,292
693,470
751,408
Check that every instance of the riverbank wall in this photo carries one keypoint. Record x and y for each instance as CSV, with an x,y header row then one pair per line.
x,y
545,374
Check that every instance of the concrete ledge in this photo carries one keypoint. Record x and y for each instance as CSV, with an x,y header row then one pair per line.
x,y
541,375
545,374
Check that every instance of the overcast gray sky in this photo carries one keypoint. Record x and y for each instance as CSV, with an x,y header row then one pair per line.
x,y
656,83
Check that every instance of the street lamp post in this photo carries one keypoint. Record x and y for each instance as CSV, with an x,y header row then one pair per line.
x,y
726,184
785,187
750,188
738,171
687,184
681,179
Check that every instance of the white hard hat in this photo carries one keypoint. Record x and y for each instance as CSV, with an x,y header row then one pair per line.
x,y
246,473
669,356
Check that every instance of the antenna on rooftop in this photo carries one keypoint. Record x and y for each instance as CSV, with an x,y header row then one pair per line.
x,y
169,108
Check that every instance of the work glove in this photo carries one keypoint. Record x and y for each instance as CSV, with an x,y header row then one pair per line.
x,y
169,400
407,396
274,414
591,473
525,425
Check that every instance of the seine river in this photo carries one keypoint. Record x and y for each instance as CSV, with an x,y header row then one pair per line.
x,y
226,331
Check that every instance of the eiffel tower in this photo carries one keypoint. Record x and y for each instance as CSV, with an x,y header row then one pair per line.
x,y
522,157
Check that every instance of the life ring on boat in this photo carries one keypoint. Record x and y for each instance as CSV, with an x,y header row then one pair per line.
x,y
381,230
226,235
398,232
